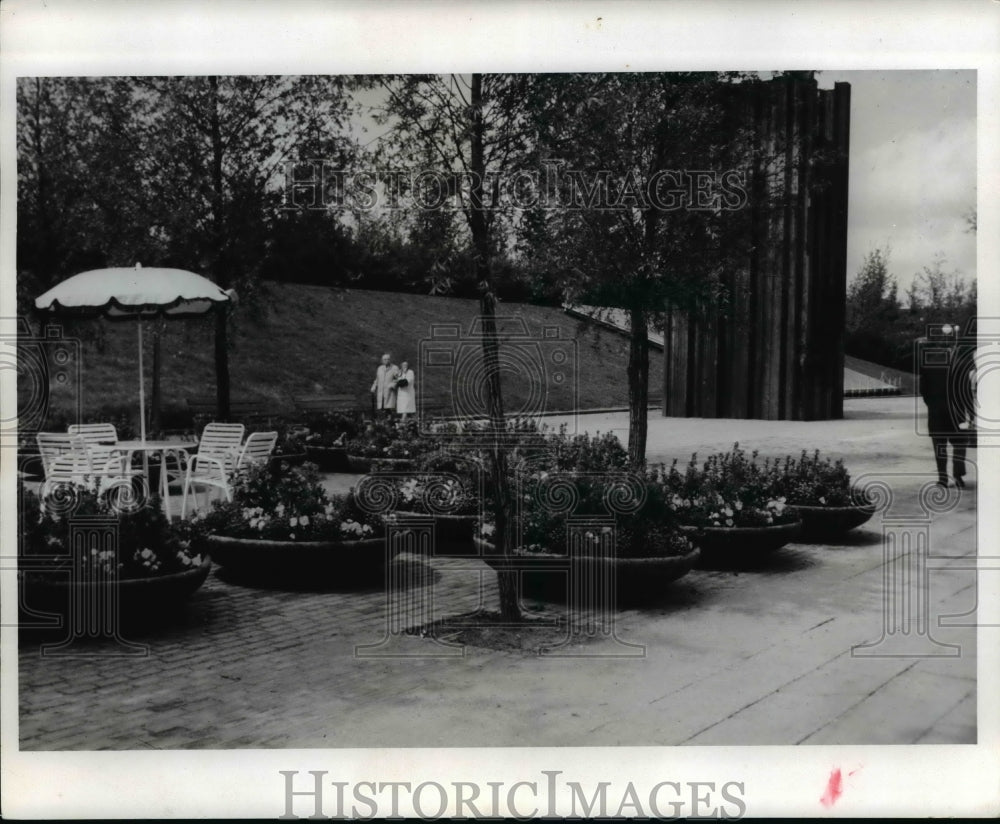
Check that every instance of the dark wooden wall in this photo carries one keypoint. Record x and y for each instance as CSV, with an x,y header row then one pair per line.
x,y
774,349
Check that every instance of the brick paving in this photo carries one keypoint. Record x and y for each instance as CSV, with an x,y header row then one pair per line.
x,y
758,657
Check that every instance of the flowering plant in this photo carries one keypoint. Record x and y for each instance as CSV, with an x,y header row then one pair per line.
x,y
812,481
332,428
566,477
148,544
432,493
290,507
389,439
728,490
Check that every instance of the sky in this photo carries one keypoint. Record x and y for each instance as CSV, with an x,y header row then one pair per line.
x,y
912,168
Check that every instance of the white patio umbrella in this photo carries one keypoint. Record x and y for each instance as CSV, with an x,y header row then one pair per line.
x,y
124,293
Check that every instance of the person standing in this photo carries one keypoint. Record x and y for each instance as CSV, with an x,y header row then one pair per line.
x,y
945,405
406,391
384,387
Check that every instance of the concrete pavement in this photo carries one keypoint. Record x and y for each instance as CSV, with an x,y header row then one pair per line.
x,y
759,657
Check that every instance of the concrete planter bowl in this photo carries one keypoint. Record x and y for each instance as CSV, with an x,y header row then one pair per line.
x,y
290,458
545,575
361,465
454,535
328,458
139,599
318,564
735,546
821,523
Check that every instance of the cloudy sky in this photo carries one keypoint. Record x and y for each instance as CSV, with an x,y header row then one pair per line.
x,y
912,168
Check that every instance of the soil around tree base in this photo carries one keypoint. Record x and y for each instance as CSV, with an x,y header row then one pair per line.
x,y
535,634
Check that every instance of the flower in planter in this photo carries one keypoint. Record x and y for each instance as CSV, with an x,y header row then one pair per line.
x,y
574,476
731,489
437,494
148,544
814,481
383,438
292,507
332,429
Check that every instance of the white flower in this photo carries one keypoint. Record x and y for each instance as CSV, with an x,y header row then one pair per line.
x,y
822,501
728,512
279,510
293,521
738,505
303,520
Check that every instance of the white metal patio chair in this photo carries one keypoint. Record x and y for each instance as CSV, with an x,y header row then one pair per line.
x,y
219,454
101,439
67,459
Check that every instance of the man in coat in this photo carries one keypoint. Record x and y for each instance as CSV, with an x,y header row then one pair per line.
x,y
947,415
384,387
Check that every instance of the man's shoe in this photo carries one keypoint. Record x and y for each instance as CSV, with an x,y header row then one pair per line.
x,y
959,482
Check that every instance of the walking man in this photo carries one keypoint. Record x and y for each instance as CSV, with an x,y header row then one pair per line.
x,y
946,405
384,387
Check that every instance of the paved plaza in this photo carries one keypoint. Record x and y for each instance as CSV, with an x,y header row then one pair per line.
x,y
763,656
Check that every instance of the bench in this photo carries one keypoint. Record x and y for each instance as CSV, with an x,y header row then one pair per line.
x,y
329,403
247,411
436,405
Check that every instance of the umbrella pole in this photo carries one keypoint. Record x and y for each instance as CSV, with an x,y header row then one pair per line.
x,y
142,387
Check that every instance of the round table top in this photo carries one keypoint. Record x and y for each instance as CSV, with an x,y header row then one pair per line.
x,y
155,446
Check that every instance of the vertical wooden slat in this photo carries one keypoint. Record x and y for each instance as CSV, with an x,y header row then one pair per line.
x,y
777,352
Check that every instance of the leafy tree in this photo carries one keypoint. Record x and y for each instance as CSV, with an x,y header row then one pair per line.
x,y
633,227
882,328
873,310
184,171
466,132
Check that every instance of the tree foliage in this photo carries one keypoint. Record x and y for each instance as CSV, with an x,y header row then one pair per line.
x,y
882,327
645,211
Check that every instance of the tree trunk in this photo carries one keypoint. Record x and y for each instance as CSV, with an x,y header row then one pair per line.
x,y
507,580
638,387
222,273
46,245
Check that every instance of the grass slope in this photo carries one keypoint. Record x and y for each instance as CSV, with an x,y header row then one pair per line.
x,y
316,340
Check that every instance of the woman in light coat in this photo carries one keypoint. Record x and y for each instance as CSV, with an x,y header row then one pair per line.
x,y
406,391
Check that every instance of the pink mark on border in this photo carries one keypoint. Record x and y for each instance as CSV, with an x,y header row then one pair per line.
x,y
834,788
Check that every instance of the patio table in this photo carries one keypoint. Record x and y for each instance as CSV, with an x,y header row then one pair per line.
x,y
162,448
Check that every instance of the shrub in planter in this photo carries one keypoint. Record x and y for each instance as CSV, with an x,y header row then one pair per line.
x,y
397,444
449,499
155,562
730,489
820,490
324,438
288,527
581,477
290,507
731,505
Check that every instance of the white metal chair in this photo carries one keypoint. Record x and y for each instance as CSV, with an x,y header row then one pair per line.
x,y
67,459
219,453
101,439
